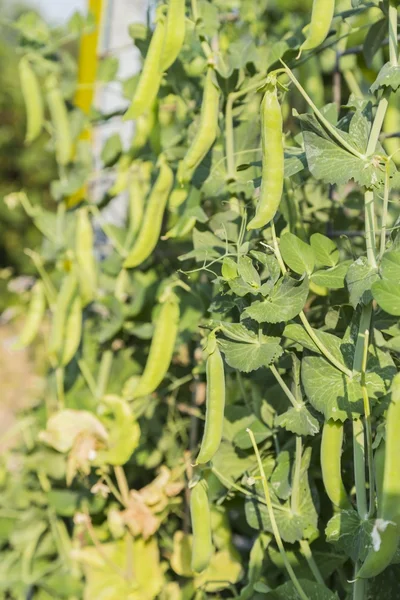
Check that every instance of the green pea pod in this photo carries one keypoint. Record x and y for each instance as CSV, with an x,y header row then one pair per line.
x,y
33,100
392,125
387,526
321,19
152,221
161,348
206,132
150,77
215,403
60,121
37,308
84,251
272,160
331,452
175,33
65,298
202,548
379,462
73,332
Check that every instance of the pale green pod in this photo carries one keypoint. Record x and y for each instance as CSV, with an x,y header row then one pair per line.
x,y
59,119
150,77
215,403
36,311
65,298
331,452
272,160
202,548
151,226
161,347
175,33
33,100
321,19
84,252
73,332
206,132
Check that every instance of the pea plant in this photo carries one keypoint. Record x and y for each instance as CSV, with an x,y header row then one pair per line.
x,y
222,401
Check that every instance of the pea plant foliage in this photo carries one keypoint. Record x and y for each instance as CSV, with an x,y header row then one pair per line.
x,y
221,409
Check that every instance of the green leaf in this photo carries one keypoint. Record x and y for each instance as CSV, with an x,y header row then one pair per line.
x,y
350,534
360,277
374,39
249,357
386,585
261,433
298,420
107,69
298,334
325,250
123,430
32,27
387,295
388,76
332,278
297,254
248,273
231,463
285,302
281,477
390,265
229,269
111,150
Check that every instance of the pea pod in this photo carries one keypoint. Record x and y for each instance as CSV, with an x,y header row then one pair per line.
x,y
215,402
272,159
150,77
206,132
331,451
60,121
161,348
387,526
65,298
202,548
37,308
84,251
152,221
33,100
379,463
175,33
321,19
72,333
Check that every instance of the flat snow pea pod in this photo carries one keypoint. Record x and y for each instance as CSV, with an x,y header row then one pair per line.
x,y
65,298
59,120
321,19
33,100
272,159
215,402
150,77
331,452
175,33
84,251
36,311
161,347
202,548
73,332
152,221
207,130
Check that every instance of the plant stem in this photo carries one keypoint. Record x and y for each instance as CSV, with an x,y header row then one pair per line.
x,y
359,587
274,525
104,373
384,212
88,377
303,317
284,387
352,83
332,130
378,122
369,212
60,387
393,34
306,551
368,428
122,484
359,467
205,46
295,499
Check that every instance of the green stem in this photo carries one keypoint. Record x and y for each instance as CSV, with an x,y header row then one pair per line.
x,y
306,551
205,46
284,387
359,468
359,587
332,130
274,525
368,428
364,325
104,373
385,212
393,34
352,83
295,499
87,375
378,122
369,211
60,387
122,484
